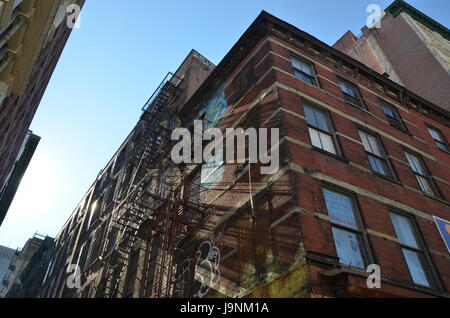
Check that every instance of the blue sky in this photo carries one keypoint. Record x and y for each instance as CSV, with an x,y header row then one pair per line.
x,y
113,63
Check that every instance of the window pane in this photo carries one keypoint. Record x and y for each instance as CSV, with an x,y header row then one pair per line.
x,y
379,166
374,145
296,64
306,68
348,248
370,143
347,89
322,121
442,146
365,141
302,66
310,116
304,77
316,118
435,134
388,111
327,143
396,123
416,268
424,185
315,138
415,164
340,209
404,230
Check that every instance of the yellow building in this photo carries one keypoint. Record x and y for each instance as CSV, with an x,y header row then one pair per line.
x,y
33,34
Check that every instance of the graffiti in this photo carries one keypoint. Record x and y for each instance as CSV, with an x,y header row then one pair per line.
x,y
216,238
207,271
209,214
215,109
182,278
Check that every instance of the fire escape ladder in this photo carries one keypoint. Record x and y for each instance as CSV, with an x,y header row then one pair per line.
x,y
175,219
143,156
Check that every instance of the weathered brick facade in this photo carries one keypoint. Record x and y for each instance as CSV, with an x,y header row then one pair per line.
x,y
281,242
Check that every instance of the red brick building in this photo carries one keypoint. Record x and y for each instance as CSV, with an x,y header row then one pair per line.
x,y
363,169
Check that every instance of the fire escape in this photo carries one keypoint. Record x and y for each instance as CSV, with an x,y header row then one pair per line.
x,y
164,213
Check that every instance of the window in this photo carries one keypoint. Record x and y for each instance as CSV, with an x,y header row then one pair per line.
x,y
320,129
163,185
346,231
439,139
112,237
376,155
304,71
95,209
412,249
351,94
82,254
111,192
392,116
421,173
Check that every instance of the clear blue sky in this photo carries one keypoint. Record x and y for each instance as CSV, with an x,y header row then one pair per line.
x,y
114,62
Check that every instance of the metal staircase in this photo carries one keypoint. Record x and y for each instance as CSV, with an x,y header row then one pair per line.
x,y
167,214
143,156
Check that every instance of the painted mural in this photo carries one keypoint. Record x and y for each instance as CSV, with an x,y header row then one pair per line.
x,y
215,110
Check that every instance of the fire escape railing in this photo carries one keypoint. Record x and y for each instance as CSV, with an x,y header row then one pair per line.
x,y
167,213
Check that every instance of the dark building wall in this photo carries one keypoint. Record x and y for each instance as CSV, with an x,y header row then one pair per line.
x,y
21,262
9,190
28,282
90,227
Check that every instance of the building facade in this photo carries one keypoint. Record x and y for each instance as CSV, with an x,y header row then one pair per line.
x,y
363,170
30,268
32,36
22,259
7,259
95,220
409,47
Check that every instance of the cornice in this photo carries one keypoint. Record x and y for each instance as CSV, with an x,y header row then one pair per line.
x,y
269,25
400,6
